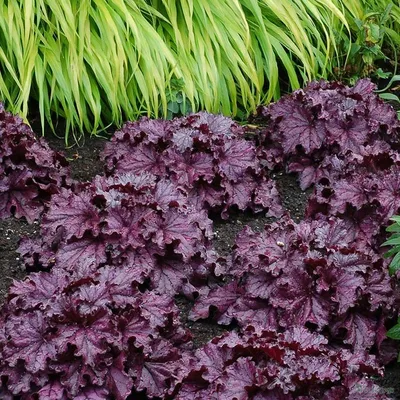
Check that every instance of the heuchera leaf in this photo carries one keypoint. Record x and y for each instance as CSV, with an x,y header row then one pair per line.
x,y
259,312
241,377
169,276
235,157
31,341
17,197
75,375
136,328
356,192
350,134
92,394
301,301
347,287
19,380
152,372
83,253
120,284
174,227
334,233
118,380
361,387
39,289
143,158
53,390
297,125
221,298
72,211
388,192
361,330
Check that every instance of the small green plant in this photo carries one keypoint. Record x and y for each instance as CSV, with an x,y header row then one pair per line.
x,y
387,92
370,38
394,242
394,333
363,53
177,102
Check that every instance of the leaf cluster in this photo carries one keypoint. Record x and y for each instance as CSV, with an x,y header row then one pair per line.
x,y
205,155
30,172
240,366
313,274
88,336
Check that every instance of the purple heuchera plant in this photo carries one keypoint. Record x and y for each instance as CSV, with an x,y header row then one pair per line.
x,y
126,220
30,172
364,198
345,141
311,300
70,335
312,274
204,154
267,365
96,336
327,129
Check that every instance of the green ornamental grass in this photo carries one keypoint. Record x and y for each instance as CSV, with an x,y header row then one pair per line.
x,y
101,62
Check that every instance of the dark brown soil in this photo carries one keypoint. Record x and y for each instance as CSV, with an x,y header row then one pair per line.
x,y
11,230
84,160
85,164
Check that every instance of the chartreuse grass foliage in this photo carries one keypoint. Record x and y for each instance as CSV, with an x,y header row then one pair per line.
x,y
100,62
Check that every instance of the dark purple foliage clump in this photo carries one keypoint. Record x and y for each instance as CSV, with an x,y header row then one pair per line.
x,y
310,302
345,142
204,154
67,335
267,365
313,274
30,172
327,130
127,221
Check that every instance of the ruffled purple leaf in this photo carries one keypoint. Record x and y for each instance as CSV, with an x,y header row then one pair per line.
x,y
239,379
82,253
53,390
152,372
297,126
360,330
18,196
74,213
30,340
221,298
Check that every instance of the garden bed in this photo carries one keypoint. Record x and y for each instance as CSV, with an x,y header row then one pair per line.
x,y
288,274
85,164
